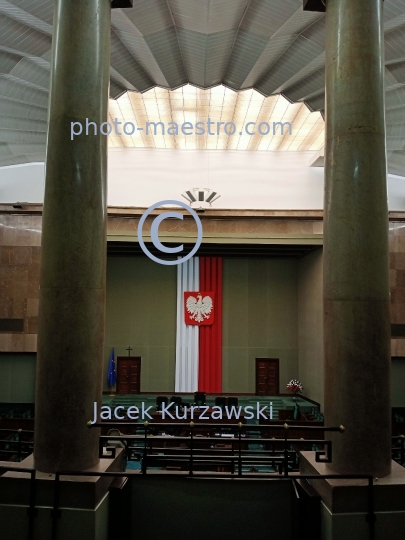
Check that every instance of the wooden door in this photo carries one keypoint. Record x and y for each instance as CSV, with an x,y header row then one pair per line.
x,y
267,377
128,375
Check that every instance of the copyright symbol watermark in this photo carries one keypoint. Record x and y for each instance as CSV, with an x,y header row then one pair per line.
x,y
154,233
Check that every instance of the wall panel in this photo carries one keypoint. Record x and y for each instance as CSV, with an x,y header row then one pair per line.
x,y
17,377
141,313
259,320
310,325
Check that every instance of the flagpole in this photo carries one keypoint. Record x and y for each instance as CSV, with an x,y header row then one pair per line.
x,y
112,361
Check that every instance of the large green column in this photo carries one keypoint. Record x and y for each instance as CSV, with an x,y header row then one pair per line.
x,y
73,259
356,278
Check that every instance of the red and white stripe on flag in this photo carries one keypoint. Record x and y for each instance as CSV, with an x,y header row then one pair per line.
x,y
210,338
199,308
199,328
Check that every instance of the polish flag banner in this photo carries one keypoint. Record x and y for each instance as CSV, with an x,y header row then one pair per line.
x,y
199,325
199,308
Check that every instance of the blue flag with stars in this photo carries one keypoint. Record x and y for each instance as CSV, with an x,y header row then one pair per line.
x,y
112,374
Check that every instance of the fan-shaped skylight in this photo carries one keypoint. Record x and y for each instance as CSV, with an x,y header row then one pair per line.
x,y
258,122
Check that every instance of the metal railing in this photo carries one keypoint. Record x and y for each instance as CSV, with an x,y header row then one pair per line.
x,y
370,518
284,458
31,511
55,513
18,446
194,455
398,449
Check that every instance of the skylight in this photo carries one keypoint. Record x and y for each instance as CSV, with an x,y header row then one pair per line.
x,y
290,126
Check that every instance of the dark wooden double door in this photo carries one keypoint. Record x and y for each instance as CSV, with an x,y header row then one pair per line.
x,y
128,375
267,377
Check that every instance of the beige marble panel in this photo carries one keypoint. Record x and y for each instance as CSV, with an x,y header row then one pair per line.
x,y
17,343
5,342
19,278
397,275
33,289
397,347
399,314
31,342
318,227
400,261
32,307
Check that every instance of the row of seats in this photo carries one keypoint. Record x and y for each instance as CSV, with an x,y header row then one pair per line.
x,y
222,401
16,411
199,401
11,449
317,415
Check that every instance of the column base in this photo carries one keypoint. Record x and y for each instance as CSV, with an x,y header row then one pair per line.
x,y
84,503
344,503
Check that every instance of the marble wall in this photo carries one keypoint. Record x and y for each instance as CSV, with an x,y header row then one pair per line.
x,y
20,240
397,283
246,225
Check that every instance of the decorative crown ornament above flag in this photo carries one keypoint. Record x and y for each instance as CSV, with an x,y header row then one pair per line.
x,y
199,308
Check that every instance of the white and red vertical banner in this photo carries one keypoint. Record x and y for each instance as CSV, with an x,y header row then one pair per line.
x,y
199,325
210,339
188,279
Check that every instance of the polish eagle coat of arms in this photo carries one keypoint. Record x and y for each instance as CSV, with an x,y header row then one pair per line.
x,y
199,308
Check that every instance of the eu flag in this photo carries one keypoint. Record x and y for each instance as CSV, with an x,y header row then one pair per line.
x,y
112,375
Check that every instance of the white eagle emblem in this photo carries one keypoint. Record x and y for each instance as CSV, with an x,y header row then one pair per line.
x,y
199,308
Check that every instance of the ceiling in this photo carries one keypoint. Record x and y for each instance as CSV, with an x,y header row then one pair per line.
x,y
272,46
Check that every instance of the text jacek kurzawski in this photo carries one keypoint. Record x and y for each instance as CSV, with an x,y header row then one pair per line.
x,y
182,413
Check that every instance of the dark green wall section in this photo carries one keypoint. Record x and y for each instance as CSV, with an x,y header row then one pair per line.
x,y
310,324
181,508
17,377
141,313
398,382
259,320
